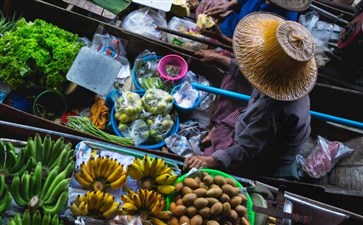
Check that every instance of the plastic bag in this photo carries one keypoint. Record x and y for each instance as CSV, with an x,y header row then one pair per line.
x,y
142,21
187,27
138,131
186,96
157,101
324,157
160,127
321,32
126,220
128,107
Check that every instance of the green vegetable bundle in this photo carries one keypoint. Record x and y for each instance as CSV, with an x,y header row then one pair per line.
x,y
37,54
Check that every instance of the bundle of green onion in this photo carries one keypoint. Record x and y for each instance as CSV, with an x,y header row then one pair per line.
x,y
83,124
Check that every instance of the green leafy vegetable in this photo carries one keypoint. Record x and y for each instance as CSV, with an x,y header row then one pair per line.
x,y
37,54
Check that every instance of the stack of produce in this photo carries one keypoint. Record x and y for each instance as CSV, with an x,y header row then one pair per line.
x,y
51,196
36,177
147,204
204,199
35,219
98,205
101,174
151,121
154,174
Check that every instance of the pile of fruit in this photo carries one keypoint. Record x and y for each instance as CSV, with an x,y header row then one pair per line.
x,y
36,177
145,119
204,199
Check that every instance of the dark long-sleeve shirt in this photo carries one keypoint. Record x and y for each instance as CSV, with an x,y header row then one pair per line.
x,y
269,133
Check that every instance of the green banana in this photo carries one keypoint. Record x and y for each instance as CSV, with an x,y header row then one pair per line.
x,y
46,150
46,219
31,148
17,219
38,174
30,164
2,154
62,161
51,176
26,217
55,220
12,222
15,192
25,182
38,147
5,196
31,184
55,182
69,169
55,151
37,218
20,162
10,156
61,186
59,206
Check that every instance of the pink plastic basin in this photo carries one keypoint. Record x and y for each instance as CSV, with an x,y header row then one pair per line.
x,y
174,60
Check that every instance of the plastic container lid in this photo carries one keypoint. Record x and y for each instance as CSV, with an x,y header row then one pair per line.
x,y
213,173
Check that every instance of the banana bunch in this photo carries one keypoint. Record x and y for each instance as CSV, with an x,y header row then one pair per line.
x,y
148,204
154,174
50,153
100,173
5,196
12,163
29,190
97,204
35,219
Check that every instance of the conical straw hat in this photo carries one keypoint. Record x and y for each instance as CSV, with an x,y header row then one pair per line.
x,y
276,56
294,5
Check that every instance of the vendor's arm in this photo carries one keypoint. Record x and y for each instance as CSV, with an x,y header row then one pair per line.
x,y
250,143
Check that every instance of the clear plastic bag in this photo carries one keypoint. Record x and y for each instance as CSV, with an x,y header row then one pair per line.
x,y
128,107
138,131
187,27
186,96
157,101
142,21
126,220
323,157
160,127
321,32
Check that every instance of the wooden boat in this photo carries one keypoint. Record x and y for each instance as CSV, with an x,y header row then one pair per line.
x,y
305,210
324,98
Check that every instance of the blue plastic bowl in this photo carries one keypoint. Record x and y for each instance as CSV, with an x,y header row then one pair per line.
x,y
114,125
182,109
133,72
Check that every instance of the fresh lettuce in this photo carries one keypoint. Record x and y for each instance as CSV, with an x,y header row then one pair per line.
x,y
37,55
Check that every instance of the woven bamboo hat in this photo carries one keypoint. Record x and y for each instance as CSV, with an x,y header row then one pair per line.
x,y
293,5
276,56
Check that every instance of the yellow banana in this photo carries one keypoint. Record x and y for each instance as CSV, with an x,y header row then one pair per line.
x,y
91,166
98,163
108,202
100,196
75,210
159,166
129,208
135,172
126,199
158,206
154,163
120,182
165,189
112,211
163,214
162,178
156,221
105,164
166,169
136,199
83,209
115,174
84,173
147,165
171,179
92,200
138,162
112,165
142,196
82,181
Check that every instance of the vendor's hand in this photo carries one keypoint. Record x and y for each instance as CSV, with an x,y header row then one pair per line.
x,y
211,55
213,32
199,162
218,10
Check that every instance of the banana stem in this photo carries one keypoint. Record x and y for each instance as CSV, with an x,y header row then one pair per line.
x,y
34,204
